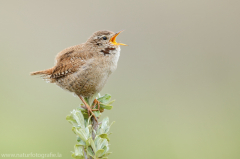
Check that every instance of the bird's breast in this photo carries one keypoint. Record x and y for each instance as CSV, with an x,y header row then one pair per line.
x,y
112,59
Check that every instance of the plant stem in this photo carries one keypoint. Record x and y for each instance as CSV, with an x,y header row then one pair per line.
x,y
85,154
95,126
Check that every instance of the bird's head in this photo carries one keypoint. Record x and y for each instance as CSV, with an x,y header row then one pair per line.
x,y
105,39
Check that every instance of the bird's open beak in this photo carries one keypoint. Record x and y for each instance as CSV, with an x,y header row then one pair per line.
x,y
113,39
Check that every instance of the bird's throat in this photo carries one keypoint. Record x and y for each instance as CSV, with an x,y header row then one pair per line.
x,y
107,50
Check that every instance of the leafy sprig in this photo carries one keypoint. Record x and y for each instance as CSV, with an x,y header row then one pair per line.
x,y
92,142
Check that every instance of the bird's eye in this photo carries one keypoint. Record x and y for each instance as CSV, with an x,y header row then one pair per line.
x,y
104,38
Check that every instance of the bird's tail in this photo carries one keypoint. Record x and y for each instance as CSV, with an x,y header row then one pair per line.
x,y
44,72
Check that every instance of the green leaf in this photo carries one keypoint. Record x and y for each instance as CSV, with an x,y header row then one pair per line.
x,y
105,136
99,153
90,152
92,145
105,99
71,120
106,149
81,143
100,142
104,125
103,143
87,132
81,133
97,113
111,102
78,116
103,106
77,157
78,139
107,154
80,108
78,154
112,123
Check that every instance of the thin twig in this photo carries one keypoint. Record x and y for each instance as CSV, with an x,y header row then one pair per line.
x,y
85,154
95,126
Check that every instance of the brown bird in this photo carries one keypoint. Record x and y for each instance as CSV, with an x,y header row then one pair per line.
x,y
84,69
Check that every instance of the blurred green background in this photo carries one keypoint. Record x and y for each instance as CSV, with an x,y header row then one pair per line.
x,y
176,87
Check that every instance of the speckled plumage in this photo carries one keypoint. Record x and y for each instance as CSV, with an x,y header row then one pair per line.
x,y
84,69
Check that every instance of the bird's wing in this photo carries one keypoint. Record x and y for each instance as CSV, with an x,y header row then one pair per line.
x,y
68,62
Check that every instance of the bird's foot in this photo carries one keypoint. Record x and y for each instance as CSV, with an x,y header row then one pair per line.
x,y
89,109
96,102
